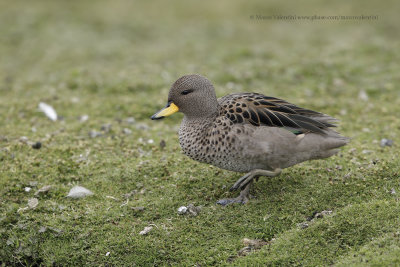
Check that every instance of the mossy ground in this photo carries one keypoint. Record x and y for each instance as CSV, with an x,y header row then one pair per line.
x,y
113,60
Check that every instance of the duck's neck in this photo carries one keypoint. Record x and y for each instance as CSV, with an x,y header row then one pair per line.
x,y
197,122
200,117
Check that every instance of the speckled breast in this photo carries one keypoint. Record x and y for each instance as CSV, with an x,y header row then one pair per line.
x,y
213,143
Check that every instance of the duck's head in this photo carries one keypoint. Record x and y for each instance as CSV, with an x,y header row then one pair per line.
x,y
193,95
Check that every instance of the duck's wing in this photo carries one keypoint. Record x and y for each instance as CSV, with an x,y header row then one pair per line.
x,y
258,109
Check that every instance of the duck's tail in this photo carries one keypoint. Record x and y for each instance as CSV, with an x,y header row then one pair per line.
x,y
326,145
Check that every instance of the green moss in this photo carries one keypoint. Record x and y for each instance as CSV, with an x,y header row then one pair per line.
x,y
115,60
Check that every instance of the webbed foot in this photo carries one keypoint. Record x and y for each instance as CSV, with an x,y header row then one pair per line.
x,y
243,198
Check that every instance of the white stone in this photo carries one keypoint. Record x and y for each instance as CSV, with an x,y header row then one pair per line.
x,y
182,210
146,230
79,192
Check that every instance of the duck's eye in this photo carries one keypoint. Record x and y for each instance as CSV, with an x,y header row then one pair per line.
x,y
185,92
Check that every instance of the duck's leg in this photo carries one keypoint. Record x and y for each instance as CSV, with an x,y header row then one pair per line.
x,y
243,198
248,177
244,183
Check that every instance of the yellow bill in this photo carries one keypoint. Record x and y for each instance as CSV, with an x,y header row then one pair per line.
x,y
169,109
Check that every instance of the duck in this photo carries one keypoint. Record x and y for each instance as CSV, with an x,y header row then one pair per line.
x,y
248,133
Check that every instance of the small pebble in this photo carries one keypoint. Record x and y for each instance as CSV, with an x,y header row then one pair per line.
x,y
83,118
182,210
130,120
94,134
146,230
386,142
127,131
37,145
190,209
